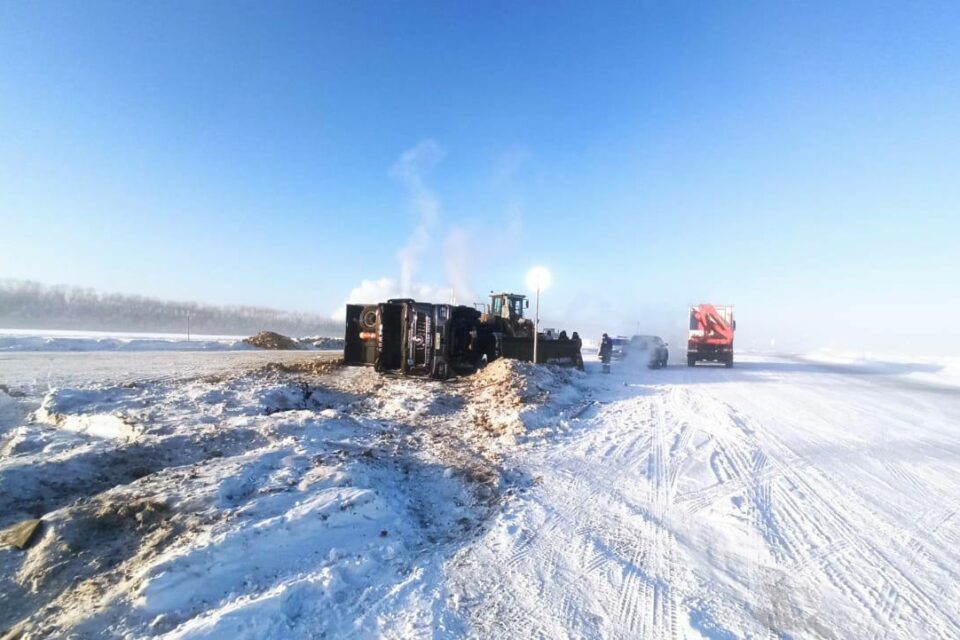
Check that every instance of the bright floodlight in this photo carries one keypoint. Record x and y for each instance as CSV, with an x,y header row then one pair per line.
x,y
538,279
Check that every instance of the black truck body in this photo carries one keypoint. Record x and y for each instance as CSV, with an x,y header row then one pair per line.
x,y
440,340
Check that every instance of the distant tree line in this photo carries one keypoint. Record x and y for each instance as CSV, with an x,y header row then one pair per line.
x,y
32,305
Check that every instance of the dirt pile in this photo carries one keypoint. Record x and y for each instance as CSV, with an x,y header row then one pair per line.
x,y
317,366
91,552
507,396
271,340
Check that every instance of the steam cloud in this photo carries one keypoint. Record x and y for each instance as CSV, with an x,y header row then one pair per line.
x,y
386,288
457,258
409,170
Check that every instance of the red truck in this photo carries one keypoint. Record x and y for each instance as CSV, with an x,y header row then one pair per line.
x,y
711,334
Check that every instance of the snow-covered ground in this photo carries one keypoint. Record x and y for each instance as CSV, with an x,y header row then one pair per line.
x,y
46,370
939,371
783,497
43,341
787,497
47,340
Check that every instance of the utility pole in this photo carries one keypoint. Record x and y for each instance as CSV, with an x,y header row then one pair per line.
x,y
536,325
537,279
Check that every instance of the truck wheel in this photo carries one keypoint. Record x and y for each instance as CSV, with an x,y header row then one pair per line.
x,y
368,318
728,362
691,360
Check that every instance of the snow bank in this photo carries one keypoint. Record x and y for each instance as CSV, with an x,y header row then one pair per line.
x,y
274,503
56,343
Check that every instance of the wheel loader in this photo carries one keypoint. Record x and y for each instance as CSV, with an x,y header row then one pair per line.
x,y
443,340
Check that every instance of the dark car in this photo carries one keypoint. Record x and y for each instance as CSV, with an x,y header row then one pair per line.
x,y
654,347
619,346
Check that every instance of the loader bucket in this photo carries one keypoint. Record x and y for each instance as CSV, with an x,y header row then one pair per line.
x,y
565,353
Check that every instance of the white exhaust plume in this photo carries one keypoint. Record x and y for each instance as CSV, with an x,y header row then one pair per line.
x,y
385,288
457,256
409,170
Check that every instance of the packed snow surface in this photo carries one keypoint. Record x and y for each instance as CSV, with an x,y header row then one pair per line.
x,y
786,497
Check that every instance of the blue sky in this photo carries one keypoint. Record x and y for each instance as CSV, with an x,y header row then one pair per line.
x,y
800,160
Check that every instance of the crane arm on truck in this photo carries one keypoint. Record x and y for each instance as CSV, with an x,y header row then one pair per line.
x,y
711,334
715,328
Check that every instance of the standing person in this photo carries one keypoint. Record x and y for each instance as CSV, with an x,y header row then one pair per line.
x,y
606,350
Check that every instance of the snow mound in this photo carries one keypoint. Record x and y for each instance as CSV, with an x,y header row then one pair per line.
x,y
510,397
67,409
265,504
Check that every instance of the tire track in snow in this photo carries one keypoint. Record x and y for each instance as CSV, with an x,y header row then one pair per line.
x,y
876,600
850,576
842,565
634,593
644,606
662,495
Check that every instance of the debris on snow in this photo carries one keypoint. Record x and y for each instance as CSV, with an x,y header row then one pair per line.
x,y
21,534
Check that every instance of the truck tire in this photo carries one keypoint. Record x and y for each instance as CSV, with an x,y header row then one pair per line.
x,y
728,361
369,318
691,360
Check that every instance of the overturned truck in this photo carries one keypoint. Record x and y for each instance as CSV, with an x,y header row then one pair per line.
x,y
444,340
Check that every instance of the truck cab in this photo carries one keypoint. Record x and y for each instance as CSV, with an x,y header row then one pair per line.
x,y
508,306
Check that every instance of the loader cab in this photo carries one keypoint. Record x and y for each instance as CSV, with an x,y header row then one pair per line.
x,y
508,306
